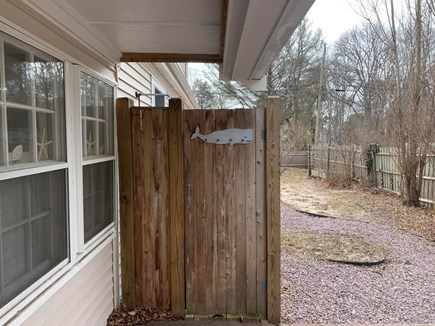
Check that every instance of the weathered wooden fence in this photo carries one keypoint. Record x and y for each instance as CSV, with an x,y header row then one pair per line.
x,y
342,161
351,161
200,221
298,159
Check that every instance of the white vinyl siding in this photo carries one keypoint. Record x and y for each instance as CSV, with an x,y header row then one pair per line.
x,y
134,78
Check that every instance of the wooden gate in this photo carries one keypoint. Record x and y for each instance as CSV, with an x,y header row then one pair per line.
x,y
225,216
199,221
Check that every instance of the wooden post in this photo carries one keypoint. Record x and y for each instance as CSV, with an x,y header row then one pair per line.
x,y
176,206
309,160
124,135
273,210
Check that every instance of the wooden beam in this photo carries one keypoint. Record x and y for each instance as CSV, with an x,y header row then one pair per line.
x,y
224,16
176,206
124,135
170,57
273,210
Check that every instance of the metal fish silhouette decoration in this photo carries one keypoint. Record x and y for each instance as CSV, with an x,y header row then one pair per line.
x,y
226,136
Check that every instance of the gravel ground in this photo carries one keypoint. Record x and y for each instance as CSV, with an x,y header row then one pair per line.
x,y
401,290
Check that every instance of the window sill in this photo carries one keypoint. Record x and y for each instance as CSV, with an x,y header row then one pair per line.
x,y
24,169
96,240
97,159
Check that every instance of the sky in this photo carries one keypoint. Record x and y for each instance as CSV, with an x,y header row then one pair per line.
x,y
333,17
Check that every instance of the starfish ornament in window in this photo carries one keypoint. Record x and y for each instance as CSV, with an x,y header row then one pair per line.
x,y
89,144
42,144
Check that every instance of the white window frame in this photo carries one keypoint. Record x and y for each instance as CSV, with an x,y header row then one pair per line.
x,y
32,168
32,298
32,109
83,247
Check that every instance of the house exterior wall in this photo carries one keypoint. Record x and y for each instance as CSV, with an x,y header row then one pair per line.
x,y
86,299
85,289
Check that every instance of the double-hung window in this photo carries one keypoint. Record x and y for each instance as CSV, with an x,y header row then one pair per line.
x,y
97,104
33,168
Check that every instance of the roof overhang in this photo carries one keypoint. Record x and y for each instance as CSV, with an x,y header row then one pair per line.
x,y
243,36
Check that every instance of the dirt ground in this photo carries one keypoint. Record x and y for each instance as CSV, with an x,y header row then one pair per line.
x,y
314,196
371,260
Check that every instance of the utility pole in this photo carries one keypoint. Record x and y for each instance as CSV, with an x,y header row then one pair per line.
x,y
319,97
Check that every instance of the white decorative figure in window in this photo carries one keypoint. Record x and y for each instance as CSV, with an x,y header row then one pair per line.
x,y
43,146
89,144
16,154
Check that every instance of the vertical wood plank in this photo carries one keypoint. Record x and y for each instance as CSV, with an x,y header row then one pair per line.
x,y
160,208
251,225
220,212
199,217
260,200
146,225
138,198
125,166
189,162
231,271
240,187
273,211
176,206
210,220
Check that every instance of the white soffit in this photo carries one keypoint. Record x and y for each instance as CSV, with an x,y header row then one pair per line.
x,y
255,31
267,27
155,26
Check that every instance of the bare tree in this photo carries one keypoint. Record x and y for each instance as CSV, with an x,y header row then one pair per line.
x,y
357,74
408,34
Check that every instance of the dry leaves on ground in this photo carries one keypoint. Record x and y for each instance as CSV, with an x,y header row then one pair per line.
x,y
355,203
121,316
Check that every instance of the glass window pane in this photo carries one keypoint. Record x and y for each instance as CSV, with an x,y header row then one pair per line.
x,y
105,139
159,100
2,160
46,136
41,240
89,138
49,92
34,240
88,94
15,255
17,75
98,197
109,128
20,136
105,96
97,117
39,194
13,191
2,86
